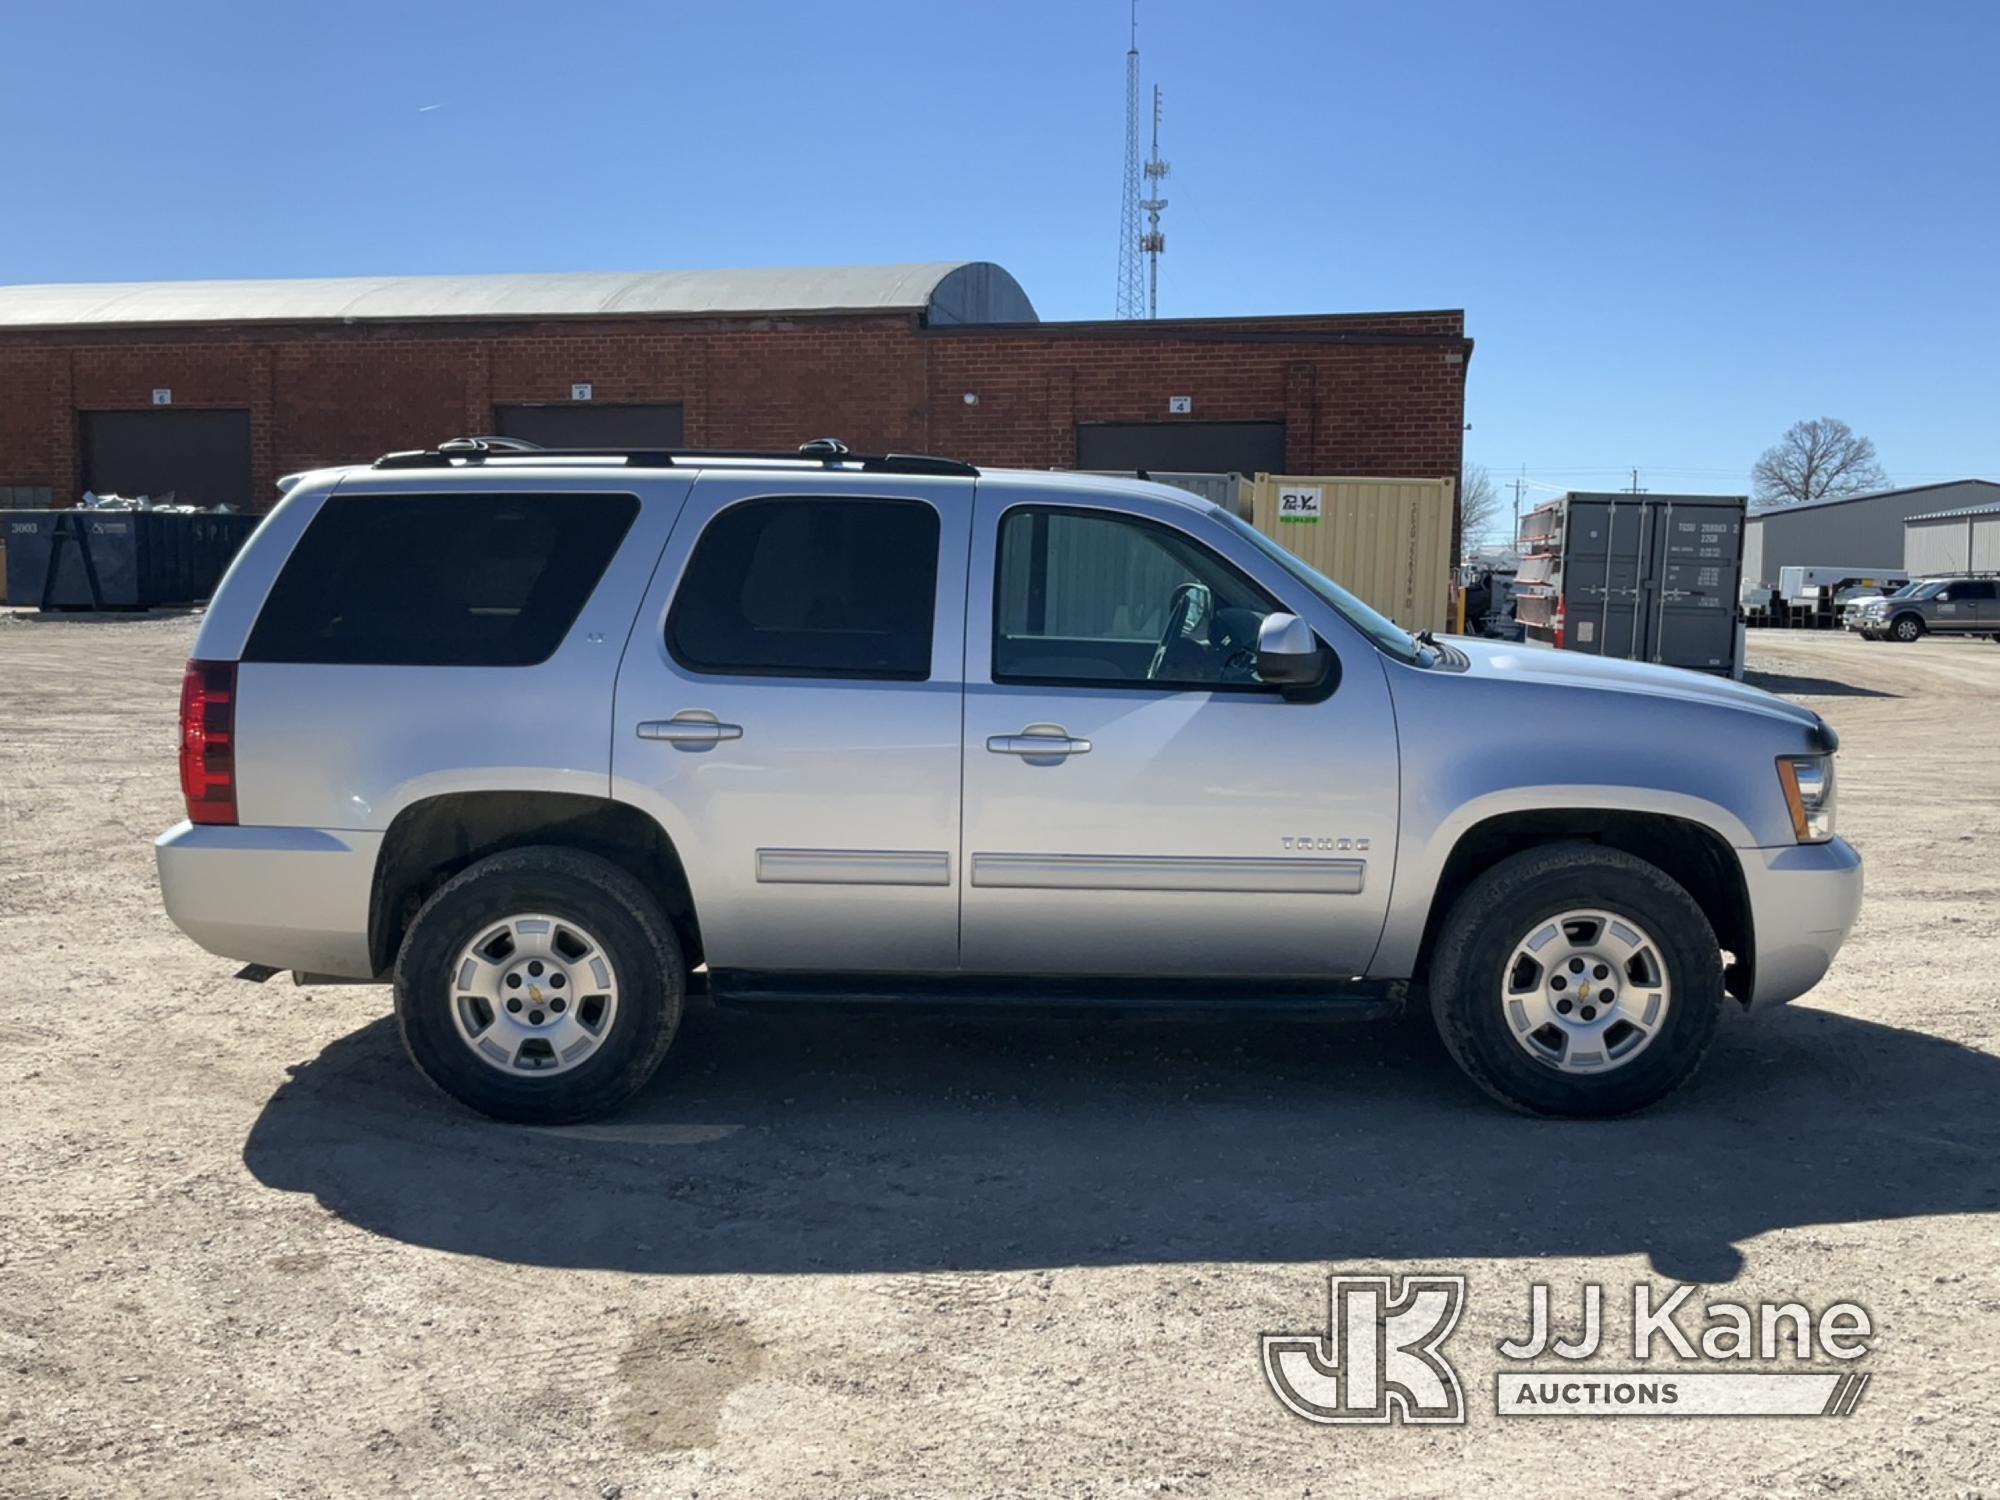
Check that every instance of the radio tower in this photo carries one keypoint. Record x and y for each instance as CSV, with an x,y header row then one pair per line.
x,y
1155,243
1131,276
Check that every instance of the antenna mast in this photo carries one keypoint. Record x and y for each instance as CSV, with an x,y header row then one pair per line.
x,y
1155,243
1131,278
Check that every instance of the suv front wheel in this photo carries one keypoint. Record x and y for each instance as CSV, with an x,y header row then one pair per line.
x,y
1576,980
540,985
1907,628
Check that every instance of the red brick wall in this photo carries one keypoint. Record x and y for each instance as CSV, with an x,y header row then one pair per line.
x,y
1370,394
1350,407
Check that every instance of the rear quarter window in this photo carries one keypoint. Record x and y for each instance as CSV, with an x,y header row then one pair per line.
x,y
458,580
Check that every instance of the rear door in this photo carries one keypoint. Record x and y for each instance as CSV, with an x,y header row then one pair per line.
x,y
1982,597
789,710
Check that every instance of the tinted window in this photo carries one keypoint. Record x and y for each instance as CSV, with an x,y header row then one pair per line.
x,y
810,588
1092,598
439,580
1976,589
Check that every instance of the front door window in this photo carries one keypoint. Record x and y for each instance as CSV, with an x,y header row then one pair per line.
x,y
1085,598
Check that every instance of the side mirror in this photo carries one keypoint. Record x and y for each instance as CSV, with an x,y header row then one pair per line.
x,y
1288,654
1944,598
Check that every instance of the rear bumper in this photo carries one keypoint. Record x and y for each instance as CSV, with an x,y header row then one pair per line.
x,y
293,898
1803,900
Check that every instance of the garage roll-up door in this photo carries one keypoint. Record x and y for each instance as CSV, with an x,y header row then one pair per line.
x,y
203,457
591,424
1184,447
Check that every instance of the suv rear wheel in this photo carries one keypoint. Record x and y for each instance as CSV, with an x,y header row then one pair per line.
x,y
1576,980
540,985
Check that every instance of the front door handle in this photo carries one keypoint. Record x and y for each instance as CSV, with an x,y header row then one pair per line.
x,y
685,729
1038,740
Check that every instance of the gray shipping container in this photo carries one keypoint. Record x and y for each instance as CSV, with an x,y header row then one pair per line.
x,y
1643,577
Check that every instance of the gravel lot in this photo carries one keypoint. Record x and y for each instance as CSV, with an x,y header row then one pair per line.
x,y
244,1250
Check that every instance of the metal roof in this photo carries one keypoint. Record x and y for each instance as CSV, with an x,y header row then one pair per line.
x,y
1908,489
944,291
1991,508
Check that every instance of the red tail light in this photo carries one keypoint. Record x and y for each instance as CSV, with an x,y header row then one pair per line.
x,y
208,741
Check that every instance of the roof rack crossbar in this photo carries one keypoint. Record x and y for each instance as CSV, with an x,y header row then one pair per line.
x,y
824,453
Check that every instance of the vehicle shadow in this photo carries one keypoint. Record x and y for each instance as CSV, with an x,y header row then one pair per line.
x,y
1812,687
820,1143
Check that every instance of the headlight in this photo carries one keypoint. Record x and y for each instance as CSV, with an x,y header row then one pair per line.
x,y
1808,784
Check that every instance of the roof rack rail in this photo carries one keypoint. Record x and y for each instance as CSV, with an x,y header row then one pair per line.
x,y
464,445
830,453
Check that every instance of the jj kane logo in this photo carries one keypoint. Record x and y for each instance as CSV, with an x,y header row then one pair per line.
x,y
1382,1357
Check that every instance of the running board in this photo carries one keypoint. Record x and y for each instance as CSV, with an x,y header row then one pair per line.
x,y
1348,1000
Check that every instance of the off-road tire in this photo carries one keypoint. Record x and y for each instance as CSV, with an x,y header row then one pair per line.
x,y
565,883
1505,904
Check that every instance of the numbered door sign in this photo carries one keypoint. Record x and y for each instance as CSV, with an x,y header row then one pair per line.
x,y
1301,506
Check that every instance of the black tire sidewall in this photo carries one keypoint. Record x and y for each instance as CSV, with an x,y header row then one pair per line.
x,y
642,952
1496,914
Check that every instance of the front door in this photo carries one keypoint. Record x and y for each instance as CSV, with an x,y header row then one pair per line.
x,y
788,710
1136,802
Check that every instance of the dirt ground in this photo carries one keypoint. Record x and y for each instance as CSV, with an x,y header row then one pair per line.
x,y
244,1250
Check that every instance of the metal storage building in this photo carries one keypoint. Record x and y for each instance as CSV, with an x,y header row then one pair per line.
x,y
1859,532
1966,540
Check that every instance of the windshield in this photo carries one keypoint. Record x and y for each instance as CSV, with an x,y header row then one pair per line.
x,y
1925,590
1379,628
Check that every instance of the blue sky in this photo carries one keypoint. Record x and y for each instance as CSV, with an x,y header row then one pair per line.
x,y
1675,228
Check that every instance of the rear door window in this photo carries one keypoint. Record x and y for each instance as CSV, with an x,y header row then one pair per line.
x,y
457,580
810,588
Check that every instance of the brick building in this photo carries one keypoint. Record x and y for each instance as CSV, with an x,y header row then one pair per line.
x,y
214,389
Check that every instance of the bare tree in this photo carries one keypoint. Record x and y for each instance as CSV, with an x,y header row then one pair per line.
x,y
1478,505
1814,460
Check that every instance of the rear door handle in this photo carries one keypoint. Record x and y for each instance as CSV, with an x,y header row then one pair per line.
x,y
682,730
1038,739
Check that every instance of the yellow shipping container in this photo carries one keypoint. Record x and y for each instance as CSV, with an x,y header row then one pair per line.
x,y
1387,540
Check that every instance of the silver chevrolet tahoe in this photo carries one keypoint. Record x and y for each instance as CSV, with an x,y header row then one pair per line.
x,y
543,738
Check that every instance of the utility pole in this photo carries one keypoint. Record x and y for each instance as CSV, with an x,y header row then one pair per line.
x,y
1520,484
1635,490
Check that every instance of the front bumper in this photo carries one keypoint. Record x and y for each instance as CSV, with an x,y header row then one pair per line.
x,y
293,898
1803,900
